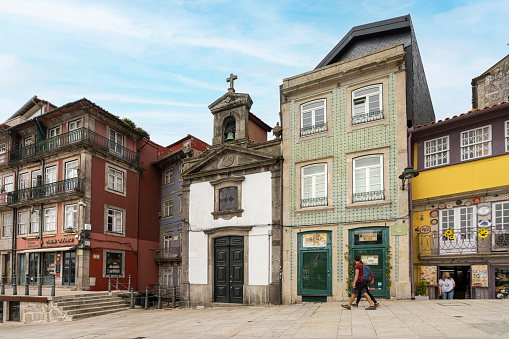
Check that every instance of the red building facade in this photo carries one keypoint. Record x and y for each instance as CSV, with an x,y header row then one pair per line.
x,y
82,199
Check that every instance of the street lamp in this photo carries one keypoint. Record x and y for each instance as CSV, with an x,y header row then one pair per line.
x,y
407,174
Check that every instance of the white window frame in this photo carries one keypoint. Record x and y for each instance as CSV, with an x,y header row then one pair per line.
x,y
313,178
118,140
368,178
168,277
28,141
168,208
56,131
432,154
70,126
70,217
506,126
7,225
50,219
179,207
117,220
115,180
22,222
23,180
167,242
71,169
169,176
3,148
313,128
462,227
476,144
34,222
34,176
502,222
364,117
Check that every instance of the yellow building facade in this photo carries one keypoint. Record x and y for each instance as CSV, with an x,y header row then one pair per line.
x,y
460,203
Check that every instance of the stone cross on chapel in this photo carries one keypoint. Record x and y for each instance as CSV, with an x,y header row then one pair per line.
x,y
230,79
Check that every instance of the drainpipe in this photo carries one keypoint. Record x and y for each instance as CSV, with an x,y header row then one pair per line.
x,y
411,233
40,208
14,229
281,159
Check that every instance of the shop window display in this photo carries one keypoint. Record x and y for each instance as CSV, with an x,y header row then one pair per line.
x,y
502,283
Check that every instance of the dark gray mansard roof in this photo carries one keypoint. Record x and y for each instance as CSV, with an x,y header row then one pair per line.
x,y
370,37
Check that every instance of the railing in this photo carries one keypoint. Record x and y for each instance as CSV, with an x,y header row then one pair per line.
x,y
368,196
113,282
68,186
367,117
469,241
317,128
73,137
314,202
4,199
168,253
169,294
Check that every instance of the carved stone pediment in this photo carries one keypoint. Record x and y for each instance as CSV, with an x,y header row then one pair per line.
x,y
231,100
227,158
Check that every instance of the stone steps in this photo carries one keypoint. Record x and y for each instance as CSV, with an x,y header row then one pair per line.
x,y
87,305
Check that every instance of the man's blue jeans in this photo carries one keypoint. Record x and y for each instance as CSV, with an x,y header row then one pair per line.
x,y
448,295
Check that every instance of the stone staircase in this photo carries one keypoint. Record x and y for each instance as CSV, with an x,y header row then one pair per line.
x,y
82,306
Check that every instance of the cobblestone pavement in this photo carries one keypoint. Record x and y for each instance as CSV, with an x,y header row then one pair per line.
x,y
394,319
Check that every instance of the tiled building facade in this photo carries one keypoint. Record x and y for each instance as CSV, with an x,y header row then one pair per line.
x,y
341,191
169,255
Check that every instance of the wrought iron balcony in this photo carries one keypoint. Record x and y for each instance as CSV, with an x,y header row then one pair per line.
x,y
68,186
466,242
313,202
168,254
367,117
72,138
317,128
368,196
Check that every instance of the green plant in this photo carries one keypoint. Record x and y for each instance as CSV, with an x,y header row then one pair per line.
x,y
349,276
388,268
422,288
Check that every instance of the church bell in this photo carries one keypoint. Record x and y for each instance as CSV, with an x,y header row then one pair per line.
x,y
230,136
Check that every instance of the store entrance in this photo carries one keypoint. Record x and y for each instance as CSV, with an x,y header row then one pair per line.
x,y
461,276
68,274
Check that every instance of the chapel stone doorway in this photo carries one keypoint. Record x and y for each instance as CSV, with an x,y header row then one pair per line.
x,y
229,270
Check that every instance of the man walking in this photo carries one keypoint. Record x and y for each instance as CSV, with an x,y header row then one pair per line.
x,y
359,286
371,279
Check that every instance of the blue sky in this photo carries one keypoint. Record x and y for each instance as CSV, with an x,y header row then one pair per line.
x,y
161,63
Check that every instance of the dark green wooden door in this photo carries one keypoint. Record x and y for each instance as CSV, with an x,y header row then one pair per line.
x,y
377,268
314,264
69,275
229,270
22,269
33,263
48,267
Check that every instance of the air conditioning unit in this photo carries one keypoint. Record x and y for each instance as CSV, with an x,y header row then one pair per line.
x,y
500,241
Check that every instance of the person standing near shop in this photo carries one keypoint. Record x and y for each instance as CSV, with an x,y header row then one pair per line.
x,y
446,286
359,286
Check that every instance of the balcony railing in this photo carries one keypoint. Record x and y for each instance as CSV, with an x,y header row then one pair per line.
x,y
317,128
72,138
168,254
313,202
368,196
468,241
68,186
367,117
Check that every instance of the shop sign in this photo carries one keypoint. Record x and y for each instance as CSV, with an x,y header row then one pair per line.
x,y
479,275
369,259
363,237
61,240
429,275
399,230
314,240
31,243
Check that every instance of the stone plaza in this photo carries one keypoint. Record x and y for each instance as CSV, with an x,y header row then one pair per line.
x,y
394,319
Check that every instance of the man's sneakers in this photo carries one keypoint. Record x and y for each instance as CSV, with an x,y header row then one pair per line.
x,y
347,307
355,305
377,304
371,308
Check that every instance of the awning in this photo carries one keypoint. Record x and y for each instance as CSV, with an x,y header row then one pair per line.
x,y
46,249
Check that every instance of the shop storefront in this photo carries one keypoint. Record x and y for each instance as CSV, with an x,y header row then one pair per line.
x,y
371,245
314,266
48,263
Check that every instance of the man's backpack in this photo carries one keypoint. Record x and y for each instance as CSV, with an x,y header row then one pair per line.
x,y
366,273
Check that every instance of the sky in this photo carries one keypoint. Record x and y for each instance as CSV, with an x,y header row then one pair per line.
x,y
161,63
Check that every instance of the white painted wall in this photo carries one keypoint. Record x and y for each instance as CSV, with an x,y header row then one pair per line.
x,y
258,256
256,203
198,253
